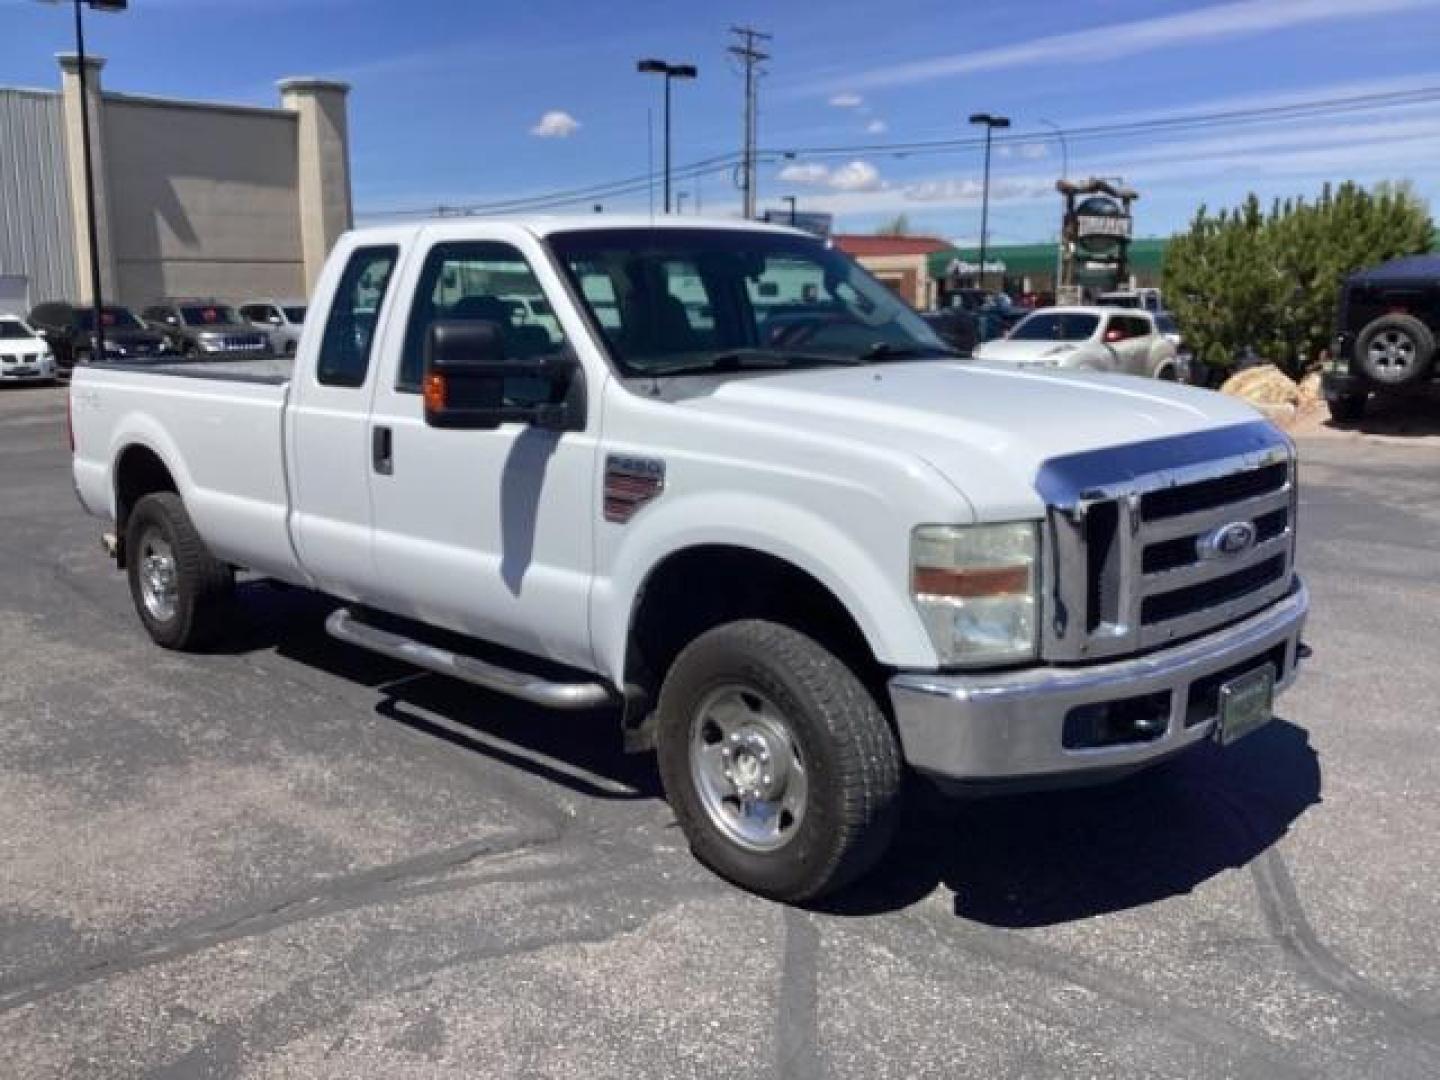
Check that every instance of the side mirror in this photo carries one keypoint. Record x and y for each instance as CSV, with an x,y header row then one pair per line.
x,y
465,373
171,320
273,320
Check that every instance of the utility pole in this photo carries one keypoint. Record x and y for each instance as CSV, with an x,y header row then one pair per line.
x,y
746,48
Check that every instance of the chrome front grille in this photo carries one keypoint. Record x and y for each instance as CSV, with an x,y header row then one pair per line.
x,y
1142,558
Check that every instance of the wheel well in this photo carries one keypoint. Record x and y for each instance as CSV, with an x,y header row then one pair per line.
x,y
138,472
699,588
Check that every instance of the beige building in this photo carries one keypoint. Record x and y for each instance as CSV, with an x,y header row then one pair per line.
x,y
191,198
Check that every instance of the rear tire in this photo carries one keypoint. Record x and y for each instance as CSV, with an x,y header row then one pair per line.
x,y
182,593
781,768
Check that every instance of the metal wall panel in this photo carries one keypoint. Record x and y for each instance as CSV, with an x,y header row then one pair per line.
x,y
36,224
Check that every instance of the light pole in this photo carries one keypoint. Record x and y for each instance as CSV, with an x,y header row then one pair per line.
x,y
670,71
791,200
113,6
1064,175
990,123
680,197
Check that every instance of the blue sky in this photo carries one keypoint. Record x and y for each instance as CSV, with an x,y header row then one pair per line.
x,y
449,96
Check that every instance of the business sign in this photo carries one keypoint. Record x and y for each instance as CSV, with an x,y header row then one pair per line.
x,y
1100,227
964,268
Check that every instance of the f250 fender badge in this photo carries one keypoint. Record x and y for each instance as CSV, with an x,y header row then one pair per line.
x,y
630,483
1227,542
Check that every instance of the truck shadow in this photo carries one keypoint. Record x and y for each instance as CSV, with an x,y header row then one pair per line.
x,y
1411,416
1036,860
1010,861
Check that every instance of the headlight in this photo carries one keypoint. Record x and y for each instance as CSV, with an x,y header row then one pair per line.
x,y
975,589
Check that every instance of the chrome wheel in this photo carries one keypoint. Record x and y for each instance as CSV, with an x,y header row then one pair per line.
x,y
748,768
1391,355
159,579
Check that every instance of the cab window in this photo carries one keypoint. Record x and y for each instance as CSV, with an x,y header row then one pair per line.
x,y
483,280
350,326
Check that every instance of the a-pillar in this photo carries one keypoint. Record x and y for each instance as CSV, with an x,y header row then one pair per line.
x,y
75,170
324,166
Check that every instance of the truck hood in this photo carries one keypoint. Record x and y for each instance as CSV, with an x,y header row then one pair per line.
x,y
986,428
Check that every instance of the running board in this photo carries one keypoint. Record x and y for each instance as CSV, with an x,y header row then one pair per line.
x,y
345,626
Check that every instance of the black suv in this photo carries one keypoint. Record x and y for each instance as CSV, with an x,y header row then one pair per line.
x,y
70,331
1385,341
207,329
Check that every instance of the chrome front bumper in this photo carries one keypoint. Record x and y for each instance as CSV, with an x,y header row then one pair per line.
x,y
1011,727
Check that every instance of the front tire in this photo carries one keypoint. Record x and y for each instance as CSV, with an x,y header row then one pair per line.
x,y
182,593
781,769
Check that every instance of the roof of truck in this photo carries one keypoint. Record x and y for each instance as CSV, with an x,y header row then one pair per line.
x,y
547,224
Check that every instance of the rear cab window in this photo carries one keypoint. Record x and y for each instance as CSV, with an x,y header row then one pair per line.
x,y
350,325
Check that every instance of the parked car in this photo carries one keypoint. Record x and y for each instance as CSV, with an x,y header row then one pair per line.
x,y
24,355
1171,332
207,328
803,574
1150,300
282,320
1126,341
69,330
1386,332
957,327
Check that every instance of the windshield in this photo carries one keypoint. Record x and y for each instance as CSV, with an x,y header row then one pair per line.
x,y
673,301
114,317
1166,325
1055,326
12,328
295,314
207,314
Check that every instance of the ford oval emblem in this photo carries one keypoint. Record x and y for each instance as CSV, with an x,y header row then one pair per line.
x,y
1226,542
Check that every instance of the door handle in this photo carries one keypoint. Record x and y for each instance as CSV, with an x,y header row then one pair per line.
x,y
382,446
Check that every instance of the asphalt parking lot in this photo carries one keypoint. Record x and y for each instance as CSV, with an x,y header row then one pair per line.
x,y
293,859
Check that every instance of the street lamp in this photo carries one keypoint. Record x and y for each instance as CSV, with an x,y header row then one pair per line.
x,y
990,123
113,7
670,71
791,200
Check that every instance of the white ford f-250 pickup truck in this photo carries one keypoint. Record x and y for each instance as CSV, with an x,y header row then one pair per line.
x,y
737,490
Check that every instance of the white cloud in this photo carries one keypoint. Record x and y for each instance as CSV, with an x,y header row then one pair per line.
x,y
1189,28
847,101
1033,151
876,127
556,124
804,173
855,176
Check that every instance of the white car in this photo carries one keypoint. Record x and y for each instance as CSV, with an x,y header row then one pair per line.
x,y
24,355
283,320
796,547
1125,341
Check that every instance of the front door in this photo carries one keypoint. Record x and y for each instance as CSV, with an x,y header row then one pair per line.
x,y
485,532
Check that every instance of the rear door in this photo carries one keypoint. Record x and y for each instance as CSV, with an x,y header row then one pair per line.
x,y
487,532
328,431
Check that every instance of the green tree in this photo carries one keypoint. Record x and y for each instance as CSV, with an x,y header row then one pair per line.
x,y
1270,280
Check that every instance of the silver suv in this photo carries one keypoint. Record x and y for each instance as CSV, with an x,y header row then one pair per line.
x,y
206,329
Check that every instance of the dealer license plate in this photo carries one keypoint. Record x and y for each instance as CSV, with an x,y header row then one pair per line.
x,y
1246,703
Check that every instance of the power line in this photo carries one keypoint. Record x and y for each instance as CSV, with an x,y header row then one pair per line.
x,y
725,162
752,58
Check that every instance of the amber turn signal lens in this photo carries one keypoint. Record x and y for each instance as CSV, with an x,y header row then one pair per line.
x,y
969,584
435,392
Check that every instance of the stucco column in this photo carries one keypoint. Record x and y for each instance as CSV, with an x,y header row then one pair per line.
x,y
75,170
324,166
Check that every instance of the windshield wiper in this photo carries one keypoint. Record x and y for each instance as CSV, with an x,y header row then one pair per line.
x,y
886,350
757,359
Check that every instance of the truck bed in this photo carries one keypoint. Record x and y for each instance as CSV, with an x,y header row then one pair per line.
x,y
218,427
